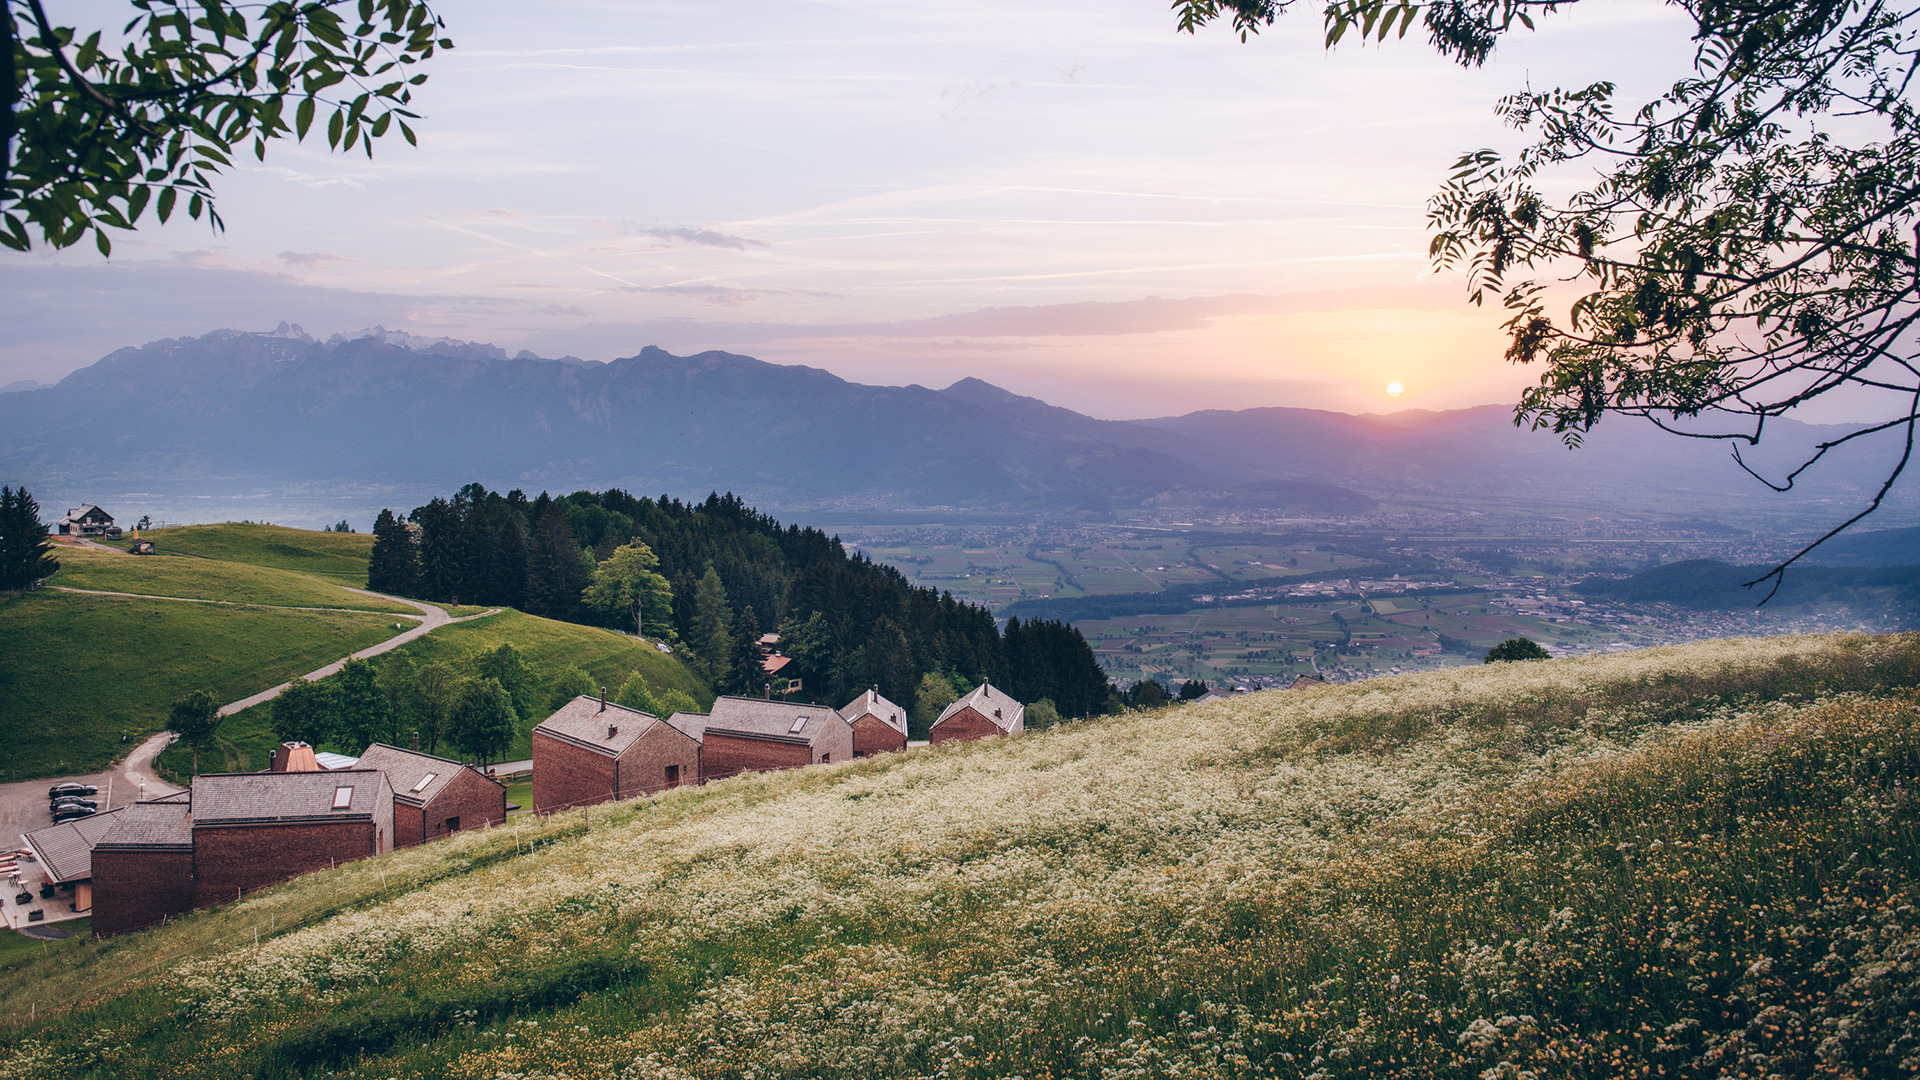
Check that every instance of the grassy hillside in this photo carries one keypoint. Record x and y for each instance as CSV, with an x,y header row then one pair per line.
x,y
77,671
207,579
245,740
336,555
1692,861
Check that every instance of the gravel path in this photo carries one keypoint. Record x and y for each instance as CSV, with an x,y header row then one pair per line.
x,y
23,805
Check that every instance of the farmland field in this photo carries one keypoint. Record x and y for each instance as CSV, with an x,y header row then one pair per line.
x,y
208,579
341,556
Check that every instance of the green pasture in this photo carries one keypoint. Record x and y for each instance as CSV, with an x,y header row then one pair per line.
x,y
334,555
78,671
208,579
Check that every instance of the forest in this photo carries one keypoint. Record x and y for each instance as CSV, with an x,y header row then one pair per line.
x,y
712,578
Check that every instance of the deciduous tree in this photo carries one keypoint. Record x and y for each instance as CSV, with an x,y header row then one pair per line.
x,y
194,719
95,126
1742,245
627,590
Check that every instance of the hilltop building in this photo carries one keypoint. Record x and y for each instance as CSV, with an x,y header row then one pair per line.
x,y
88,520
879,726
984,711
591,751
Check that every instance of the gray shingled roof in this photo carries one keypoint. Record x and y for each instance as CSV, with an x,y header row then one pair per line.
x,y
764,719
162,823
692,724
406,768
995,705
890,714
581,722
65,851
243,798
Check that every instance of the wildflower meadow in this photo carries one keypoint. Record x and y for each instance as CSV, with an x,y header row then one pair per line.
x,y
1696,861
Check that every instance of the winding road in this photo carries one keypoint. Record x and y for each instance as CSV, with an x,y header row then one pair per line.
x,y
23,805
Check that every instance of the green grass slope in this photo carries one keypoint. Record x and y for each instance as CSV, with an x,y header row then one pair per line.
x,y
335,555
245,741
1697,861
76,671
208,579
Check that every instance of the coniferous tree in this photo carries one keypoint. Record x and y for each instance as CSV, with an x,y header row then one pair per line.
x,y
712,631
393,566
749,656
24,547
555,579
440,550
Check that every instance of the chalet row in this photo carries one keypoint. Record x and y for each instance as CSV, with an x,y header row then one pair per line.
x,y
234,833
593,751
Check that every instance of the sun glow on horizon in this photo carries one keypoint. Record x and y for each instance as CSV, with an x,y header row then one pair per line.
x,y
1394,389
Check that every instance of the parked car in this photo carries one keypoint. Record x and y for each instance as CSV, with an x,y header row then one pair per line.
x,y
71,788
57,805
72,813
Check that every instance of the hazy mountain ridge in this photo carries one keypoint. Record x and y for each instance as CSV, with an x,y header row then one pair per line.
x,y
383,407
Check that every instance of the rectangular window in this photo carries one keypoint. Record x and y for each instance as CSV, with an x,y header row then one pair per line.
x,y
453,824
342,798
425,780
673,774
798,723
824,758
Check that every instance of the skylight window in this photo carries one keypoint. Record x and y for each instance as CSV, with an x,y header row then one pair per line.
x,y
342,798
798,723
425,780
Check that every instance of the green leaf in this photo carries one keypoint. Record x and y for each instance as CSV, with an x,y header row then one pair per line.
x,y
165,206
100,241
303,118
335,128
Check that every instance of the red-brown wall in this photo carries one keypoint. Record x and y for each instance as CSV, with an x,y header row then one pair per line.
x,y
643,765
871,735
725,755
474,799
132,889
965,724
232,859
567,775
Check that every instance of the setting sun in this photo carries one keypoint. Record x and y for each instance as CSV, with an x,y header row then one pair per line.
x,y
1394,389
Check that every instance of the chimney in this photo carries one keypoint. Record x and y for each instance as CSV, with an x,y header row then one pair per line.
x,y
416,742
603,699
612,730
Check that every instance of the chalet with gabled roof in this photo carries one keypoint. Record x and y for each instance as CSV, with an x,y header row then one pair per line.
x,y
592,751
879,726
435,796
88,520
982,712
756,735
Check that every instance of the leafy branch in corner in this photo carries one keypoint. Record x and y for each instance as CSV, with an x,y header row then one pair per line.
x,y
92,133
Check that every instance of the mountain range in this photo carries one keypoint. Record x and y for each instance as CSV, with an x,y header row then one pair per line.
x,y
386,408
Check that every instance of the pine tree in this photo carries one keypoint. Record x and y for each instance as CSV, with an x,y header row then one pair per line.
x,y
24,546
749,656
712,633
555,578
393,566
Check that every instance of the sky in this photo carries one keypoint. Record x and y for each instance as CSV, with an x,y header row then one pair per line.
x,y
1067,198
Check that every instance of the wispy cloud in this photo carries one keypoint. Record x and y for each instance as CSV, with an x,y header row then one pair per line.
x,y
312,260
701,237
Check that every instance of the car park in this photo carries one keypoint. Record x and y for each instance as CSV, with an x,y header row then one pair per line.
x,y
71,788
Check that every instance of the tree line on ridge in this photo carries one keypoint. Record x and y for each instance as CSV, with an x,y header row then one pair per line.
x,y
711,578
